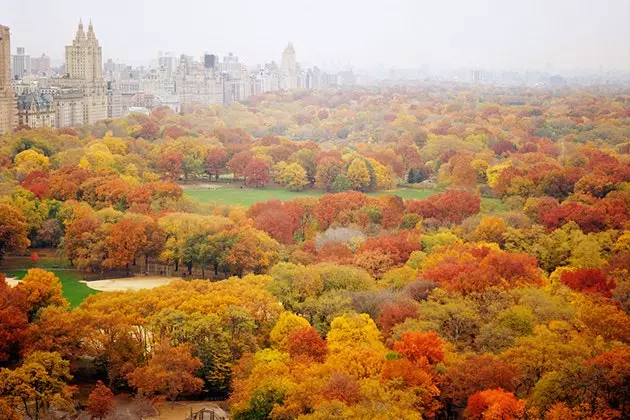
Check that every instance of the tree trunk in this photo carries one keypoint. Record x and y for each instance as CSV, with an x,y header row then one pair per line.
x,y
127,269
176,265
190,268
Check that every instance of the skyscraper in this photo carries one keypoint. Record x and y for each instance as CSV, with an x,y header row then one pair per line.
x,y
84,56
289,62
7,101
84,74
289,67
21,64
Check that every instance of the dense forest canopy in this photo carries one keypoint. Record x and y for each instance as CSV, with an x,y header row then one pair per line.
x,y
503,293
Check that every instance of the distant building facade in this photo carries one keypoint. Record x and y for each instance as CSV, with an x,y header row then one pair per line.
x,y
40,66
7,100
36,110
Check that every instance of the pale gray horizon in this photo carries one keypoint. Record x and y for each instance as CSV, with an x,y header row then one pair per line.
x,y
397,33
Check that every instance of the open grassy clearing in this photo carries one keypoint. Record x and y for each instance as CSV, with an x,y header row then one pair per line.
x,y
73,290
247,197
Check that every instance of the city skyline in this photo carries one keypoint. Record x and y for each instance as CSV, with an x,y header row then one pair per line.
x,y
483,34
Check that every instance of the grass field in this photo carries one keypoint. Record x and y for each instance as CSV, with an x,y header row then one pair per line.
x,y
247,197
73,291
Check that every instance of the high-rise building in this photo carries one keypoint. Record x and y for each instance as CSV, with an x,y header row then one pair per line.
x,y
21,64
166,62
289,62
7,101
84,56
290,68
40,66
84,74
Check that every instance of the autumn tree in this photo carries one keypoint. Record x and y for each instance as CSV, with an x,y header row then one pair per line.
x,y
216,161
418,345
294,177
287,323
13,231
41,288
307,342
13,320
257,173
588,280
463,174
253,250
239,162
358,174
100,402
494,403
171,164
169,372
124,242
474,374
39,383
327,171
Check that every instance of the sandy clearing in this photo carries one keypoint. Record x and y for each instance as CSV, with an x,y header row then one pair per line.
x,y
12,281
181,410
128,283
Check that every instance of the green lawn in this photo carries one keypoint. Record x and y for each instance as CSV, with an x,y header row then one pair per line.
x,y
73,291
247,197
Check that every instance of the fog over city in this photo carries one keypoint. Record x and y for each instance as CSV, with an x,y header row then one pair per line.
x,y
567,34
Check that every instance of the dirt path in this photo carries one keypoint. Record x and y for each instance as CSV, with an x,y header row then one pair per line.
x,y
12,281
128,283
180,410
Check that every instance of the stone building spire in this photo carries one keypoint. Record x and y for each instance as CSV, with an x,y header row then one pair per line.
x,y
90,32
80,32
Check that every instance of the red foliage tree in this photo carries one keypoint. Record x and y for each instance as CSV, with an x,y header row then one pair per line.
x,y
65,183
239,162
343,388
588,280
450,207
171,164
503,147
149,130
412,374
417,346
307,342
101,401
394,313
13,320
37,182
215,162
330,206
457,271
257,173
474,374
282,221
397,246
494,404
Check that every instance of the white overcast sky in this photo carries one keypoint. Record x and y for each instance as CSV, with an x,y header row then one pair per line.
x,y
366,33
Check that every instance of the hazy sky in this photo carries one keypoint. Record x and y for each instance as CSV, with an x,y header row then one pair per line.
x,y
365,33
